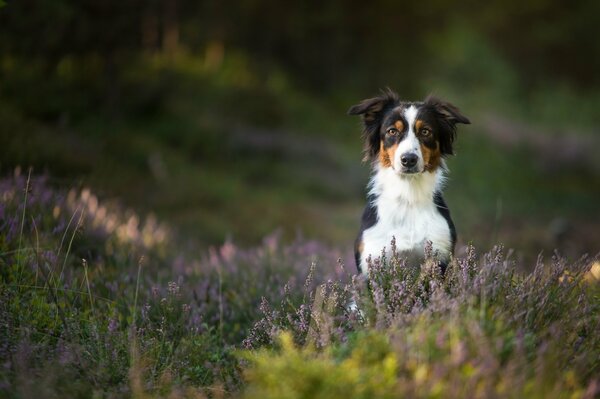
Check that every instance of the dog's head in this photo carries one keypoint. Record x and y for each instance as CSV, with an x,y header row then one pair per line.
x,y
410,137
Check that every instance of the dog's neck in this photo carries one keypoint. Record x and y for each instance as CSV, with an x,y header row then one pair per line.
x,y
405,190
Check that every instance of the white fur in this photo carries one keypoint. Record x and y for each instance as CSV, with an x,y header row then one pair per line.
x,y
406,211
410,142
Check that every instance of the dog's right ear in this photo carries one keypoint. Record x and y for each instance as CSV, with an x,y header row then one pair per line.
x,y
371,111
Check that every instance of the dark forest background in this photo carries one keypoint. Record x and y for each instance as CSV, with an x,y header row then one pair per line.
x,y
228,118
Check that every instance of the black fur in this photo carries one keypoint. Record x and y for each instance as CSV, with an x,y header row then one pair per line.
x,y
443,209
445,116
372,111
369,218
375,111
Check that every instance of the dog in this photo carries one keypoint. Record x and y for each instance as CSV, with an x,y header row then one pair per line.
x,y
407,144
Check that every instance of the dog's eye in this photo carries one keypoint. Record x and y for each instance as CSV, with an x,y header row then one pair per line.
x,y
425,132
393,132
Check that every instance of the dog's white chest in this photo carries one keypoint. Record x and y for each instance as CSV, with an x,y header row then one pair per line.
x,y
412,229
409,215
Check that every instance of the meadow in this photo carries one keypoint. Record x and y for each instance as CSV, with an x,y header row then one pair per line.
x,y
98,301
180,187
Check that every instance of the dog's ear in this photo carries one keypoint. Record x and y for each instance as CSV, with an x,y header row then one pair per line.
x,y
372,111
448,116
448,111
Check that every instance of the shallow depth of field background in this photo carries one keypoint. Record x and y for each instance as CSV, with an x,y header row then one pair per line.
x,y
195,181
227,119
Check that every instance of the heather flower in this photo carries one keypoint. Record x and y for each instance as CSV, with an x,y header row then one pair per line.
x,y
485,328
113,325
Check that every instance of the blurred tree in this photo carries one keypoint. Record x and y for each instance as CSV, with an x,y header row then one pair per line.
x,y
322,45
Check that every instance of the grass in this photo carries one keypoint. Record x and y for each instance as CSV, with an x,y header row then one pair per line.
x,y
96,300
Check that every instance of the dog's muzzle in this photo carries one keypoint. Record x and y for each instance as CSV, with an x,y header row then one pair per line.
x,y
409,162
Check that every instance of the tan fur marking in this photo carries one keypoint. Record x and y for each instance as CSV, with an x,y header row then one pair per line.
x,y
386,155
431,157
418,125
399,125
361,246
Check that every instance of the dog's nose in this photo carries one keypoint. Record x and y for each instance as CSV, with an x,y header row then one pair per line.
x,y
409,160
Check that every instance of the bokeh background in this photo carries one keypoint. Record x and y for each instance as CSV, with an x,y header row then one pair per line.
x,y
227,119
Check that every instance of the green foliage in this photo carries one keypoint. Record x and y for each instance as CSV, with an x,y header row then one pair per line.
x,y
81,315
483,331
369,370
429,360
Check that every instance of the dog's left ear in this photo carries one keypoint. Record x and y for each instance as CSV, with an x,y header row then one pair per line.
x,y
448,116
372,110
450,112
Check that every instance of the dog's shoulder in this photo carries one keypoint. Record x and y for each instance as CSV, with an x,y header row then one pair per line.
x,y
369,216
443,209
368,220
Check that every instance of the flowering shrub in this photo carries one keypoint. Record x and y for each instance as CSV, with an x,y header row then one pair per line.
x,y
482,330
104,292
95,300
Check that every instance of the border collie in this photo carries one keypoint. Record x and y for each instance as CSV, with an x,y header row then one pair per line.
x,y
407,143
